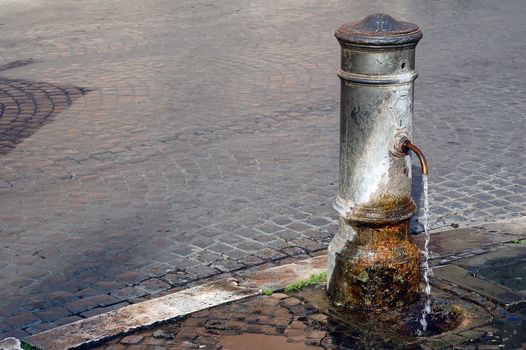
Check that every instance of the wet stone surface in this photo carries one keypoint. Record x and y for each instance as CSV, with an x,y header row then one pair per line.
x,y
300,321
277,315
147,147
505,266
461,318
498,275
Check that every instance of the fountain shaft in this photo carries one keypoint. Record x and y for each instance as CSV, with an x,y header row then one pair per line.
x,y
373,262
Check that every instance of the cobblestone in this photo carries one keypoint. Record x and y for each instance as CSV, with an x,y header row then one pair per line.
x,y
137,142
86,304
279,316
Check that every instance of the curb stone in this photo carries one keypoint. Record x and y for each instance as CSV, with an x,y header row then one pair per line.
x,y
102,327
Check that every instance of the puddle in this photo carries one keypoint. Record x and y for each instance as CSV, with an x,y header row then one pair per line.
x,y
505,267
511,329
261,342
511,274
457,240
499,276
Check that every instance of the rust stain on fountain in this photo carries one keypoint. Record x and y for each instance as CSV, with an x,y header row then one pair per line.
x,y
379,269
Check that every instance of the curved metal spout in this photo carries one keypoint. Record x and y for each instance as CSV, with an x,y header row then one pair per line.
x,y
407,145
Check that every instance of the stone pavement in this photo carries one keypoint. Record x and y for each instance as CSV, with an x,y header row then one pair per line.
x,y
145,147
280,322
304,321
290,324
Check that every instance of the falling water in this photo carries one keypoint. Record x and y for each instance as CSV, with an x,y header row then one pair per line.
x,y
427,269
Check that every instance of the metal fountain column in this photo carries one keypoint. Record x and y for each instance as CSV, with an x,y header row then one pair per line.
x,y
373,262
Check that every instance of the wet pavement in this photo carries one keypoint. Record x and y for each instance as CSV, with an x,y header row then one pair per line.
x,y
464,315
293,322
148,147
461,318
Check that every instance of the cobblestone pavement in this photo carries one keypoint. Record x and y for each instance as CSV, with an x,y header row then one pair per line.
x,y
301,320
146,147
279,315
292,324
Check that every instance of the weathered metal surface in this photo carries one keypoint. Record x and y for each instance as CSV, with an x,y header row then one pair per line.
x,y
378,269
377,74
378,30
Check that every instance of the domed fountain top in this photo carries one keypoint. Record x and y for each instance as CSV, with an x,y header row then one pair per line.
x,y
379,29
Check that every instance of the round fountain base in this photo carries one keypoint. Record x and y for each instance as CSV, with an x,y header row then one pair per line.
x,y
378,268
398,328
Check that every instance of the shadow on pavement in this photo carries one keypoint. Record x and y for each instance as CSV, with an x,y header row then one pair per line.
x,y
26,106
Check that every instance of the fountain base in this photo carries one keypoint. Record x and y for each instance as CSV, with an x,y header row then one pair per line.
x,y
398,328
379,268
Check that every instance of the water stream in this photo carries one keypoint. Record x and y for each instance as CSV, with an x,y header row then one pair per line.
x,y
427,269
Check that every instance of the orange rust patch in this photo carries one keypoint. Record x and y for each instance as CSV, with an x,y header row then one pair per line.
x,y
385,209
379,269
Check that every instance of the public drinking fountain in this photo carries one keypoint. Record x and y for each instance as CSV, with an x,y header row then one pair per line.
x,y
373,262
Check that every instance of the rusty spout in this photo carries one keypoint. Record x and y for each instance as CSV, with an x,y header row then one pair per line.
x,y
407,146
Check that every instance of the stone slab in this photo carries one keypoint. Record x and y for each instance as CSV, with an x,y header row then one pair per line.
x,y
462,239
462,277
505,266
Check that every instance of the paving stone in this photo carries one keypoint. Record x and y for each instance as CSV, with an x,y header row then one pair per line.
x,y
131,277
160,333
23,320
129,293
116,347
86,292
16,333
132,339
178,279
250,246
298,227
201,271
227,265
269,228
318,221
4,327
290,301
89,303
279,322
279,296
53,314
39,327
269,254
297,325
195,322
220,248
187,334
101,310
153,285
282,220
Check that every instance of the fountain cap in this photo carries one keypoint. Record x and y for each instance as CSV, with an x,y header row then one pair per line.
x,y
378,30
